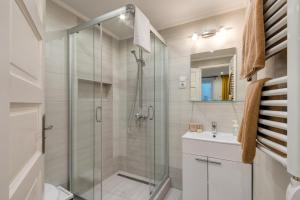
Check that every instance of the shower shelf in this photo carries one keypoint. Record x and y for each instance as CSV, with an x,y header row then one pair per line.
x,y
95,81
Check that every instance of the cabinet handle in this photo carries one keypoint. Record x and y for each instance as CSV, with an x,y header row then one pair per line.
x,y
200,160
215,163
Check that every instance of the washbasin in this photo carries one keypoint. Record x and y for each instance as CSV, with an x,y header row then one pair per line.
x,y
220,137
223,145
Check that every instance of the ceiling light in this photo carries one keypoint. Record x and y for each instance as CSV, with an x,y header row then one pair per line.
x,y
222,73
122,17
195,36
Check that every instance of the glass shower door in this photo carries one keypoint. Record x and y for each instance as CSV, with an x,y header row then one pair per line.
x,y
118,114
161,112
85,111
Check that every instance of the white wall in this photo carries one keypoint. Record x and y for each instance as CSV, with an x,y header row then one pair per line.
x,y
181,109
270,178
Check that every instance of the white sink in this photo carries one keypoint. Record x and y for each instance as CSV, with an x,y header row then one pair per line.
x,y
208,136
223,146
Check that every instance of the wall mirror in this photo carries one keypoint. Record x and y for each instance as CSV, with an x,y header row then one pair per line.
x,y
213,76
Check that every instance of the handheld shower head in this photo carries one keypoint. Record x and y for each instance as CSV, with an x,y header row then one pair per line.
x,y
134,53
140,61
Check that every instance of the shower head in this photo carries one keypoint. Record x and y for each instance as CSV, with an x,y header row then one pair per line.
x,y
133,52
140,61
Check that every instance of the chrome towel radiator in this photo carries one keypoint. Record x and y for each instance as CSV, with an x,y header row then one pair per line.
x,y
279,122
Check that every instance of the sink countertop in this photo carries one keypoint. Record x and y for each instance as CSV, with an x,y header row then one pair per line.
x,y
221,137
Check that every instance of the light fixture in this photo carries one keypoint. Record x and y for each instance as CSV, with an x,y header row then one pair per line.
x,y
122,17
195,36
208,33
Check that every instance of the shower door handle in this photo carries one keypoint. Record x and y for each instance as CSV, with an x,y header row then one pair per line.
x,y
99,114
150,112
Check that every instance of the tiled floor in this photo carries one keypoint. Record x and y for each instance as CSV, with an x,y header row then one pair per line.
x,y
174,194
120,188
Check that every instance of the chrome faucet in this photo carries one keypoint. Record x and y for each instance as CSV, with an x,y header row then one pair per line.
x,y
214,128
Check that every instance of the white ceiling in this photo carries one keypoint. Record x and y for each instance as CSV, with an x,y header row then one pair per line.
x,y
162,13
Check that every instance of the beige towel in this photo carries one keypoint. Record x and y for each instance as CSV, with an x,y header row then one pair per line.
x,y
248,129
253,40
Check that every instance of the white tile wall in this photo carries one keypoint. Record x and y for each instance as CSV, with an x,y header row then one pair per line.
x,y
181,110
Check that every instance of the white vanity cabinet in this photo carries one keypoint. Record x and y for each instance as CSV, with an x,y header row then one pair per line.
x,y
194,177
212,170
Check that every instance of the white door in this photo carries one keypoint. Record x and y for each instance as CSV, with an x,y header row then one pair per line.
x,y
194,177
26,99
229,180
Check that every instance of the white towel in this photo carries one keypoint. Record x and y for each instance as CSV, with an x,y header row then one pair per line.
x,y
142,30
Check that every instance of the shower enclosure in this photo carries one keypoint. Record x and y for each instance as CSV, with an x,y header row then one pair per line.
x,y
118,110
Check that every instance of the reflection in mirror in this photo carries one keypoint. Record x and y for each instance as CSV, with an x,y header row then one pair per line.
x,y
213,76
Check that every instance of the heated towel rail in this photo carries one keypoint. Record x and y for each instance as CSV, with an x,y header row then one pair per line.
x,y
272,133
272,124
279,121
275,16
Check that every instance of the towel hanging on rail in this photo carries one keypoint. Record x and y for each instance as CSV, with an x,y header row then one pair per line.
x,y
253,40
248,130
142,29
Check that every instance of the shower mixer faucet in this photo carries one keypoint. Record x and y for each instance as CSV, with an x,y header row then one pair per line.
x,y
214,128
141,116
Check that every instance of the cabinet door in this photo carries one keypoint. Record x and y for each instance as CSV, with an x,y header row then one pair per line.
x,y
228,180
194,177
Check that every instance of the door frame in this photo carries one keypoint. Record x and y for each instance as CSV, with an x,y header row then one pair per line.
x,y
4,97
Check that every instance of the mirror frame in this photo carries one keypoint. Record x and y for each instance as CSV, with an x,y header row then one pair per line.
x,y
235,78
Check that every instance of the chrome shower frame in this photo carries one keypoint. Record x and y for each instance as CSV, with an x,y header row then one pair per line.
x,y
128,9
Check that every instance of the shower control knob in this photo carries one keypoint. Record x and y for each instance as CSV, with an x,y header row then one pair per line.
x,y
138,116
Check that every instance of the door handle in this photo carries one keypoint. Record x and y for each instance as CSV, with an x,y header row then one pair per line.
x,y
99,114
48,128
200,160
44,129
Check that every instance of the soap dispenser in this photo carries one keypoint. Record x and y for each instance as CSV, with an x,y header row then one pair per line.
x,y
235,127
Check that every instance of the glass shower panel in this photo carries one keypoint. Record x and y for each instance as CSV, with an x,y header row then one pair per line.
x,y
127,97
98,117
83,102
149,110
161,137
118,113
